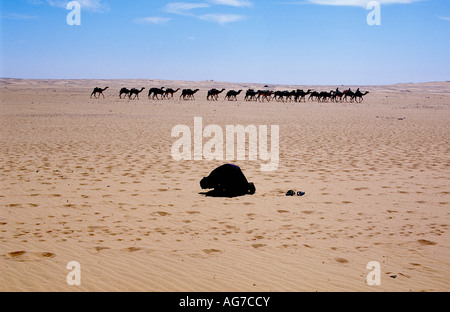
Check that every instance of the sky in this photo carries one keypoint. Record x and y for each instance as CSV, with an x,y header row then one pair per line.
x,y
306,42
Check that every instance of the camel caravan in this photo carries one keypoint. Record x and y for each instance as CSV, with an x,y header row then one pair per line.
x,y
298,95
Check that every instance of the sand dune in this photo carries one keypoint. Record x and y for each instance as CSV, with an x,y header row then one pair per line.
x,y
93,181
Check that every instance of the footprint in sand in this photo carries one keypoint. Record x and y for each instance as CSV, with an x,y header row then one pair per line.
x,y
132,249
162,213
426,242
251,216
256,246
100,248
211,251
341,260
258,237
28,256
15,254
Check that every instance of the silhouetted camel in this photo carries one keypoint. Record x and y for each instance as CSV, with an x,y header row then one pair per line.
x,y
99,91
313,96
277,96
213,94
156,92
264,94
135,92
124,91
300,94
348,94
187,94
324,96
358,96
289,94
232,94
283,95
337,96
250,95
170,92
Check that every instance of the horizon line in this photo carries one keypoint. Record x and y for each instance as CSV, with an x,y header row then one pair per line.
x,y
233,82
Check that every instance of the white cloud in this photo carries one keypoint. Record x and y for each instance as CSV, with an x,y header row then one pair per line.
x,y
183,8
235,3
445,18
152,20
186,8
222,19
361,3
92,5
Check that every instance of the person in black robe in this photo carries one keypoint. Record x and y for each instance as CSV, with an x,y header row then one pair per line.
x,y
227,181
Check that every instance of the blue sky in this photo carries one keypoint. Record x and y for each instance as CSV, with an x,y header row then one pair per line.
x,y
279,42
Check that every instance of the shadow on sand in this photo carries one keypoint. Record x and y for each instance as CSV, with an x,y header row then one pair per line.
x,y
215,193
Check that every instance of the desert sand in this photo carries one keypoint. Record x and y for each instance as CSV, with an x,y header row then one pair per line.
x,y
93,181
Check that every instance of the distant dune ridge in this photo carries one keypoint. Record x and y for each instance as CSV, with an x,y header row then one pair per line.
x,y
93,181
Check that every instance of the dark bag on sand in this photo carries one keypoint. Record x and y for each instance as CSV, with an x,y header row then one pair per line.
x,y
228,180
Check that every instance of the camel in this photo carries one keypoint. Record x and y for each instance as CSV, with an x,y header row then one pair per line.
x,y
250,95
337,96
124,91
300,94
277,96
135,92
170,92
187,94
232,94
99,91
214,94
313,96
332,95
264,94
348,94
289,94
324,96
358,96
155,92
283,95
